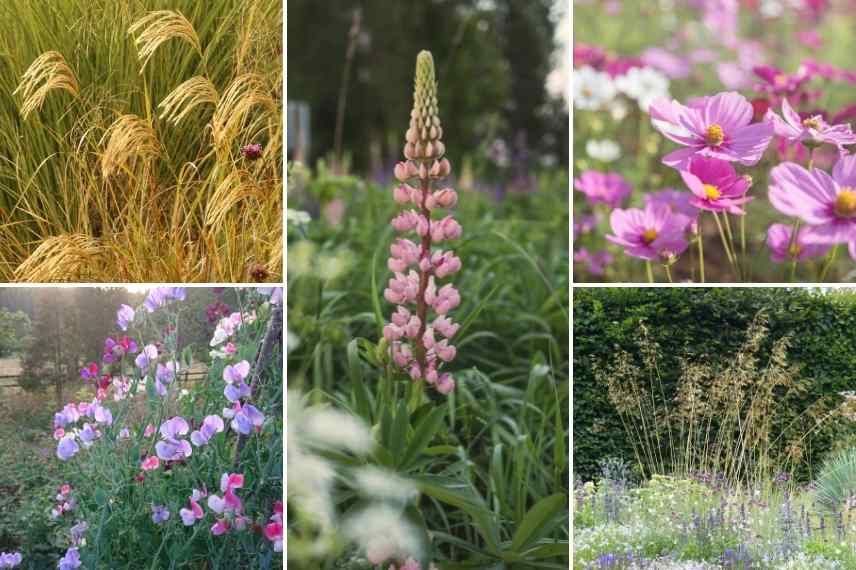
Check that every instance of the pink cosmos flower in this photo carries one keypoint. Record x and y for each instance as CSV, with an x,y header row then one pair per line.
x,y
777,82
595,262
650,233
715,185
811,131
674,66
826,203
713,127
678,202
781,248
603,188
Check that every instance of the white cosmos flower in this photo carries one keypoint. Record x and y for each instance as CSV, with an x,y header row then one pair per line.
x,y
604,150
643,85
593,90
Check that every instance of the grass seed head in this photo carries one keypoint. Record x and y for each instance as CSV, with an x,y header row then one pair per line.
x,y
48,72
156,28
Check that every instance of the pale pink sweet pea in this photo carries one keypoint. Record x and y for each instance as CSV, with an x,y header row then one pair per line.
x,y
194,513
811,131
715,127
608,188
715,185
827,204
652,233
783,248
150,463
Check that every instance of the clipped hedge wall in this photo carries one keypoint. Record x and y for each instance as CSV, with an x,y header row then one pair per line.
x,y
703,323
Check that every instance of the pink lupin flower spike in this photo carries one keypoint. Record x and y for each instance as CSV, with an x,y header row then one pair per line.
x,y
422,305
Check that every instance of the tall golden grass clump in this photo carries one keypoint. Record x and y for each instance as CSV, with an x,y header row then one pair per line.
x,y
720,418
48,72
143,179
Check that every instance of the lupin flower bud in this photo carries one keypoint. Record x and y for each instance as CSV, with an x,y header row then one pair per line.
x,y
421,309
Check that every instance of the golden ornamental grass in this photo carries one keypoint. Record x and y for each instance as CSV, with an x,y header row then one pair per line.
x,y
156,28
244,94
47,73
187,96
128,139
235,188
68,257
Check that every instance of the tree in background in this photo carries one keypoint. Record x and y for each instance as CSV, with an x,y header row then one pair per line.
x,y
493,59
14,328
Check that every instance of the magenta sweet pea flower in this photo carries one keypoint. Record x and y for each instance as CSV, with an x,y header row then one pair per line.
x,y
781,248
715,127
827,204
603,188
211,426
812,131
90,371
715,185
652,233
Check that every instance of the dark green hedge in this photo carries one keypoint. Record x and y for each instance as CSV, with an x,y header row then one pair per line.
x,y
704,323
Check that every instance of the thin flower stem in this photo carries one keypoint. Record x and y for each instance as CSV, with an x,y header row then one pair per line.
x,y
743,238
668,273
828,264
724,242
700,249
649,272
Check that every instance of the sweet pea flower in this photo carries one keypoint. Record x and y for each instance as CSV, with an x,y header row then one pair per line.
x,y
89,434
67,447
159,514
715,185
211,426
194,513
229,505
164,376
150,463
148,355
234,376
115,349
71,560
149,431
160,296
273,532
812,131
827,204
102,415
124,433
650,234
90,371
783,248
77,532
13,559
714,127
124,316
171,448
245,417
603,188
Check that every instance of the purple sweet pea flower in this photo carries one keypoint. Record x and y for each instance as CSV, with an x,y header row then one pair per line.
x,y
101,414
148,355
715,185
124,316
234,376
160,296
603,188
211,425
275,294
649,234
10,559
164,376
715,127
827,204
159,514
245,418
781,248
171,448
67,447
89,434
68,415
78,531
812,131
71,560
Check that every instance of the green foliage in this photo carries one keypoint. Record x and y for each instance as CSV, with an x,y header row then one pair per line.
x,y
836,482
14,327
704,325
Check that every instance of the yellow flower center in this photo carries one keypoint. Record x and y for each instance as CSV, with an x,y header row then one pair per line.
x,y
712,192
794,250
812,123
715,136
845,203
649,235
